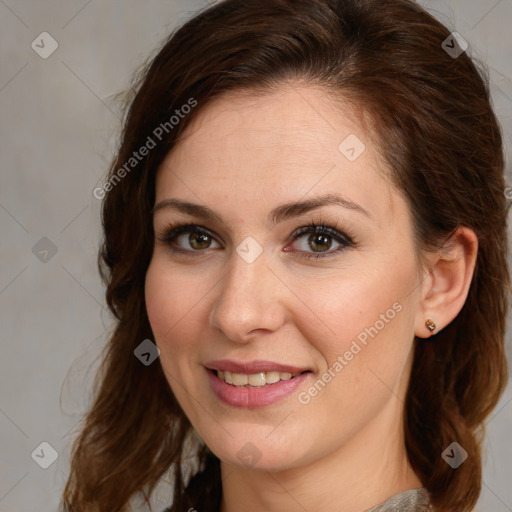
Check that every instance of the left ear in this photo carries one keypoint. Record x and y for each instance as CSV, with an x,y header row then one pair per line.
x,y
446,286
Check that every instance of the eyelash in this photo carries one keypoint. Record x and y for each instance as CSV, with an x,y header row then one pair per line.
x,y
173,230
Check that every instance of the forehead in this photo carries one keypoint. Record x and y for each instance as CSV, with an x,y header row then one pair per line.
x,y
276,147
290,117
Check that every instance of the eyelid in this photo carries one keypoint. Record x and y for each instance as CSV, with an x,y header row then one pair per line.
x,y
173,230
321,227
345,240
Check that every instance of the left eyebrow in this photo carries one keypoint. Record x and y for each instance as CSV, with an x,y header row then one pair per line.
x,y
294,209
278,214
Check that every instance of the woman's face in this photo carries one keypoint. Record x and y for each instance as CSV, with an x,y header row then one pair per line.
x,y
246,297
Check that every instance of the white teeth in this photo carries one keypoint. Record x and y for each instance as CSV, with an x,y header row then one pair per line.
x,y
257,379
272,377
254,379
240,379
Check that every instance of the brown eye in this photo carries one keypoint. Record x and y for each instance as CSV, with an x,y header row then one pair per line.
x,y
199,241
187,238
320,240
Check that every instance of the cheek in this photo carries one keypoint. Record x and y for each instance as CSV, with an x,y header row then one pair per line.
x,y
160,300
173,309
366,316
364,351
170,299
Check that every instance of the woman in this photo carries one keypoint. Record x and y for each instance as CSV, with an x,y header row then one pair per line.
x,y
305,252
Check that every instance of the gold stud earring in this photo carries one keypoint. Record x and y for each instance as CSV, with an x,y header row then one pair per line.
x,y
430,325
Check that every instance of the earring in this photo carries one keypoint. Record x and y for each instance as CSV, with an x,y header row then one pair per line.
x,y
430,325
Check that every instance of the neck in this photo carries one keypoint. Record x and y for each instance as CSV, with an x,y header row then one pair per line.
x,y
356,476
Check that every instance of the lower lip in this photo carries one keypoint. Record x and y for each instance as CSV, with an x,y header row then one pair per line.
x,y
253,397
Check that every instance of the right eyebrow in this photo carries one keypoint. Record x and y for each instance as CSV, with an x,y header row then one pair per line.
x,y
278,214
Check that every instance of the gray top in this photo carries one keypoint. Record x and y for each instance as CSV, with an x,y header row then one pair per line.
x,y
413,500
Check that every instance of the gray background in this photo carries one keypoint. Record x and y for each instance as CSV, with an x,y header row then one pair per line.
x,y
59,124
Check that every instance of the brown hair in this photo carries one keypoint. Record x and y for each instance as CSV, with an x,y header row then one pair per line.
x,y
439,135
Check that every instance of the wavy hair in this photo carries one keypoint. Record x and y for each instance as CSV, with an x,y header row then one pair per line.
x,y
435,127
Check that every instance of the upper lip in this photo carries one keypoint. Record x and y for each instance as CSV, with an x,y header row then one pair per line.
x,y
250,367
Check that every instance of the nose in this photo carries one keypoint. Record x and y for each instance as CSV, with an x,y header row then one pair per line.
x,y
250,298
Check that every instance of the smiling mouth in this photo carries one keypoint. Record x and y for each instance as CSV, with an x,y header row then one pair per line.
x,y
254,380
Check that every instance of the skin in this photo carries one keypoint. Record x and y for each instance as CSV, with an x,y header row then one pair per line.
x,y
242,156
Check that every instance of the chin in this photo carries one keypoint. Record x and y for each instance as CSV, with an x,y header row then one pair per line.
x,y
255,452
